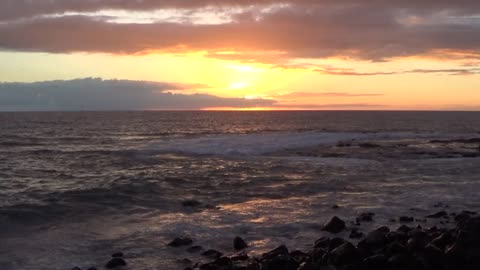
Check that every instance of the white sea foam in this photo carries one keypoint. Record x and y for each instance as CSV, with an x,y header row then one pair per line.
x,y
257,144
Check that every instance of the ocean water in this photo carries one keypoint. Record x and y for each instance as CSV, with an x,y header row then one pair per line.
x,y
76,187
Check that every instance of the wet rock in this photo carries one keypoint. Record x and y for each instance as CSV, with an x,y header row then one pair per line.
x,y
355,234
223,263
375,262
399,261
438,215
373,240
365,217
281,250
395,248
212,253
335,206
116,262
185,261
240,257
383,229
344,254
178,242
299,256
92,268
280,262
335,225
239,243
117,255
322,242
369,145
76,268
335,242
194,249
405,219
404,229
191,203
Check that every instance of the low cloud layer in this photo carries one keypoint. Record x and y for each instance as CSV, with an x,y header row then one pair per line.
x,y
375,30
98,94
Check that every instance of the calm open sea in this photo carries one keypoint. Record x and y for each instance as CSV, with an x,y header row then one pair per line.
x,y
75,187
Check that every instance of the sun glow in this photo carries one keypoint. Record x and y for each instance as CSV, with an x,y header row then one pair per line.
x,y
239,85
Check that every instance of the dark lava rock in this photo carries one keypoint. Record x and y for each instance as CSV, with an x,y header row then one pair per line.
x,y
335,225
185,261
365,217
281,250
375,262
322,242
438,215
464,215
117,255
92,268
240,257
212,253
280,262
76,268
335,242
404,229
399,261
178,242
239,243
383,229
373,239
369,145
191,203
405,219
344,254
222,263
395,247
355,234
115,262
194,249
335,206
299,256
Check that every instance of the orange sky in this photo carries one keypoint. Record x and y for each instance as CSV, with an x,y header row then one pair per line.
x,y
395,58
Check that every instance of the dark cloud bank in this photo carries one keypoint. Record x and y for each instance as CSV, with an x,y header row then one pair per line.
x,y
375,30
98,94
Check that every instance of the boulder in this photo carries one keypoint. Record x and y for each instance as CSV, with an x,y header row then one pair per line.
x,y
117,255
178,242
115,262
438,215
335,225
368,216
406,219
281,250
212,253
344,254
194,249
239,243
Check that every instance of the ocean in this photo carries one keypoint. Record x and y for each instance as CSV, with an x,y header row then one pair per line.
x,y
77,186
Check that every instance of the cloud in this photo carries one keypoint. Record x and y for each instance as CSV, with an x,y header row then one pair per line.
x,y
325,94
333,106
98,94
351,72
376,30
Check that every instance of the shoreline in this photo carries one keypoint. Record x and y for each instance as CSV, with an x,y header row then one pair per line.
x,y
454,243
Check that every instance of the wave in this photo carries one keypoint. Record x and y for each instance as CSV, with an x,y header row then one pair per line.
x,y
263,143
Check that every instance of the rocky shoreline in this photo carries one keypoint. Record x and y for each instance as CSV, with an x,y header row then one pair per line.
x,y
456,246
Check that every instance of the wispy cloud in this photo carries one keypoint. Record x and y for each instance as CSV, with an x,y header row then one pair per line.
x,y
98,94
353,72
333,106
326,94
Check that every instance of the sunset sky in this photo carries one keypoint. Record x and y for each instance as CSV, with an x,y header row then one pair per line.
x,y
239,54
